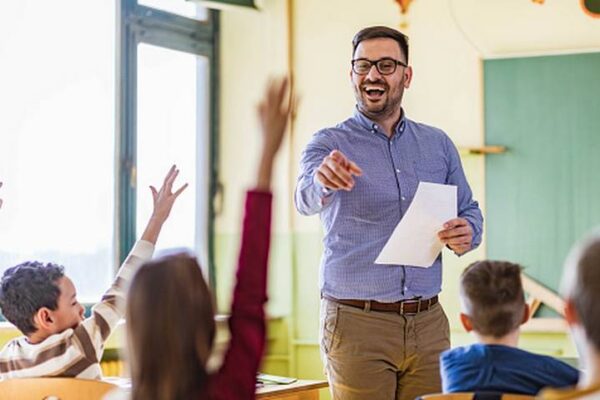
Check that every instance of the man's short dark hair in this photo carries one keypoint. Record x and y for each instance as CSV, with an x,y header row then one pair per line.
x,y
493,296
377,32
27,287
581,285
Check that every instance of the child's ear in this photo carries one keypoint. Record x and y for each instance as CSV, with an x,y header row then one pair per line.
x,y
43,318
571,313
525,314
466,322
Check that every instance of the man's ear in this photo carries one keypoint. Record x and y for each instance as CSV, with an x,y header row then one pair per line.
x,y
526,314
43,318
408,74
466,322
571,313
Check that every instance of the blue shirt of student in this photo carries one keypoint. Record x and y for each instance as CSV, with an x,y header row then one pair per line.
x,y
498,368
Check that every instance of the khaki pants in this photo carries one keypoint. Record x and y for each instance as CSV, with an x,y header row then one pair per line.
x,y
372,355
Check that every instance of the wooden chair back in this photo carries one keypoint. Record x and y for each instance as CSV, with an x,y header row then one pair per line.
x,y
54,389
476,396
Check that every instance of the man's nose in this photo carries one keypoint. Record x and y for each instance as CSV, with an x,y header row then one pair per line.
x,y
373,74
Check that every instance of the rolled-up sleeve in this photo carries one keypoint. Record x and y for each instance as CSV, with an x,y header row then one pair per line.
x,y
467,207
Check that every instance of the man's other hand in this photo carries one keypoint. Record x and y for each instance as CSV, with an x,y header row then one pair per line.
x,y
457,235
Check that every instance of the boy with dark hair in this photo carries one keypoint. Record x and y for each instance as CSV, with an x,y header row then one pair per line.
x,y
493,308
580,287
42,302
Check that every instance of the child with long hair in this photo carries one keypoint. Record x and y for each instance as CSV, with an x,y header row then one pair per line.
x,y
170,316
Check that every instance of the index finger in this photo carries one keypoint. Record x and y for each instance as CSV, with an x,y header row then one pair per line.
x,y
171,180
354,169
171,170
339,157
455,222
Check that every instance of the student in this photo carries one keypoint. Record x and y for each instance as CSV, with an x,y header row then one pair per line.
x,y
170,318
493,308
41,301
580,287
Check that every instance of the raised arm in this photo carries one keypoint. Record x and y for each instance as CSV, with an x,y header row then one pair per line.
x,y
237,376
107,313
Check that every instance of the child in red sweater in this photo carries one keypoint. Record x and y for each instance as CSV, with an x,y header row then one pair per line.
x,y
170,318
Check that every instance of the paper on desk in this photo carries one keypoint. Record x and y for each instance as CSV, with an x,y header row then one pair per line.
x,y
414,241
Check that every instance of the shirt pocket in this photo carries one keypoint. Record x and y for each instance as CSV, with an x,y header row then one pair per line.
x,y
434,172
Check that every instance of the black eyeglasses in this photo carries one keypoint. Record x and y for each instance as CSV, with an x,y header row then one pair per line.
x,y
385,66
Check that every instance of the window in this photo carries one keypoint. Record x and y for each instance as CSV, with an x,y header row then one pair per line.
x,y
75,172
171,123
167,109
182,7
57,138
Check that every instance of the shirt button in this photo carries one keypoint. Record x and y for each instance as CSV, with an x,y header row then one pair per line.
x,y
397,171
403,198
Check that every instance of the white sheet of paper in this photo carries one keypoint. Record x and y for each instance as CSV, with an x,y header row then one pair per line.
x,y
414,241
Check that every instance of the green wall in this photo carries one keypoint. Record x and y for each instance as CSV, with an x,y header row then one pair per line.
x,y
542,194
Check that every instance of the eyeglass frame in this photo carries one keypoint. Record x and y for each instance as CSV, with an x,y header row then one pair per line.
x,y
375,63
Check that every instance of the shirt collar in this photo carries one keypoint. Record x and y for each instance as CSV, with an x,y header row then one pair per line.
x,y
372,127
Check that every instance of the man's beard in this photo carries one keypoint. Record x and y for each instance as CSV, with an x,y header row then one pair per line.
x,y
380,109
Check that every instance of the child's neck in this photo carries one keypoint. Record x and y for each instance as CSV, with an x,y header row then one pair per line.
x,y
37,337
590,363
511,339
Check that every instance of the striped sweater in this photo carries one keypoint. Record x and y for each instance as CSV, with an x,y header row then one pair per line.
x,y
76,352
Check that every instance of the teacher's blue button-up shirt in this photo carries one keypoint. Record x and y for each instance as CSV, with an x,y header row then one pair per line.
x,y
358,223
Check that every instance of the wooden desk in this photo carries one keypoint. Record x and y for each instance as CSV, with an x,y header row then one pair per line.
x,y
300,390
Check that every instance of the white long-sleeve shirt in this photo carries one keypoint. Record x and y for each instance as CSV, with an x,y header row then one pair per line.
x,y
76,352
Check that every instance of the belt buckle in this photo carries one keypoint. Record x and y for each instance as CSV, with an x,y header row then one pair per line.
x,y
418,306
402,307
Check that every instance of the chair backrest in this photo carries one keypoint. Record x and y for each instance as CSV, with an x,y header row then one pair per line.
x,y
476,396
54,389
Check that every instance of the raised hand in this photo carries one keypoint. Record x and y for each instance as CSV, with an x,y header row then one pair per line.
x,y
273,113
336,171
457,235
164,198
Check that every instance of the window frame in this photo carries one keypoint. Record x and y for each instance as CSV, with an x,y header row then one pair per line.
x,y
142,24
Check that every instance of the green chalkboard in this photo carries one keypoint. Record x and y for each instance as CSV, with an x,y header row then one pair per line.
x,y
543,194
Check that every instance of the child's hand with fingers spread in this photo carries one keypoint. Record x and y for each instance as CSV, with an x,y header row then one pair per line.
x,y
273,113
164,198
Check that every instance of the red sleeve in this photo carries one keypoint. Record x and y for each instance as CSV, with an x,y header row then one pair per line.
x,y
237,377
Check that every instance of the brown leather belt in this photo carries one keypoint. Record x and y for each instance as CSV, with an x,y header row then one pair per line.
x,y
400,307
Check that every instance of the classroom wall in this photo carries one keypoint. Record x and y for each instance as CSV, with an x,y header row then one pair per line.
x,y
448,41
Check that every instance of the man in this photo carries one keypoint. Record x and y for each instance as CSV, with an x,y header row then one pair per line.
x,y
493,309
580,287
382,328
